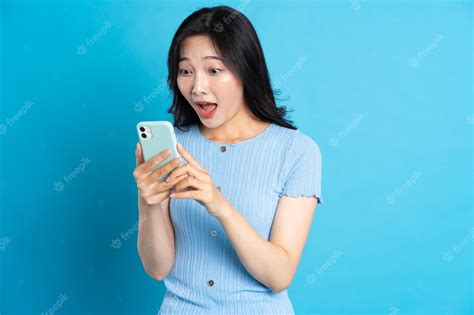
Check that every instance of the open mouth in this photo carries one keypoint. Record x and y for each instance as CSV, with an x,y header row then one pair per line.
x,y
206,110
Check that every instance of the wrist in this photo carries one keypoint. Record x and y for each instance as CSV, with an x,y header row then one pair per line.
x,y
226,213
145,210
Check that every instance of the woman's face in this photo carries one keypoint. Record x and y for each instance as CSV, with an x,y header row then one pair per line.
x,y
203,77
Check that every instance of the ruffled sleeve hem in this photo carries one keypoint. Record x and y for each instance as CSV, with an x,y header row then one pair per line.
x,y
309,195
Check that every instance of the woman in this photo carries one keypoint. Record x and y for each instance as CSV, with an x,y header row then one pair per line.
x,y
226,230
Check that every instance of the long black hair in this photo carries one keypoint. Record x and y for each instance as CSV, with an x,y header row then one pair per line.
x,y
237,43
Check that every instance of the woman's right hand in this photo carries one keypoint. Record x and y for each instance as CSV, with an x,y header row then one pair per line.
x,y
150,189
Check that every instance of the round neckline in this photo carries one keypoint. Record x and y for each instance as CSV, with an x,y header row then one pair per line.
x,y
260,135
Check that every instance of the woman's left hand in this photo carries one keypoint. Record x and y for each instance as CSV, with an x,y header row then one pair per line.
x,y
203,189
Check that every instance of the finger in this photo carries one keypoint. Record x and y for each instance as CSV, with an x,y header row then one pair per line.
x,y
191,169
156,187
188,157
139,154
189,182
162,171
150,165
190,194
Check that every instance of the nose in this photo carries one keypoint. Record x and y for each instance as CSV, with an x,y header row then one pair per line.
x,y
199,85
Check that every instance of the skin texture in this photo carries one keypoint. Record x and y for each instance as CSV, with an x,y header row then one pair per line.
x,y
273,262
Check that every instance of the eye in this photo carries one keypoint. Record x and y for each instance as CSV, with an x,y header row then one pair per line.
x,y
183,71
215,70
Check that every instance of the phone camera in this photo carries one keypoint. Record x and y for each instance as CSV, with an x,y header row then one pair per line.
x,y
144,135
142,129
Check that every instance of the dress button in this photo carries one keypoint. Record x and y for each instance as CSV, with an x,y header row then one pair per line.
x,y
213,233
210,283
223,148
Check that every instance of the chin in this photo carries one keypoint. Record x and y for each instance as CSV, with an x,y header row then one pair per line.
x,y
211,124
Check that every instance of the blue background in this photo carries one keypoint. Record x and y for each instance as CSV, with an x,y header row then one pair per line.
x,y
385,89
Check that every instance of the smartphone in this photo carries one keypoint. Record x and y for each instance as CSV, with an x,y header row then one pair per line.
x,y
155,137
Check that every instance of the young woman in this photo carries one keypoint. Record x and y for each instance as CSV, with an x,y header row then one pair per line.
x,y
227,229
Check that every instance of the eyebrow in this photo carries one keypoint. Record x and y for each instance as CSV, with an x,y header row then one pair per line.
x,y
203,58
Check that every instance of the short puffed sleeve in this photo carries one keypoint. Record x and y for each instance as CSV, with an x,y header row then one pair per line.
x,y
301,169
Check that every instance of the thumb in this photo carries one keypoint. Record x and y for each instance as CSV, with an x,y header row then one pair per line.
x,y
139,154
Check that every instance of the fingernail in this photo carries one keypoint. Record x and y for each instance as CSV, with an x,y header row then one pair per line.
x,y
179,145
172,196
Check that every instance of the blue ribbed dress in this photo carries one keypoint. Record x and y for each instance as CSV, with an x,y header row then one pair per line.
x,y
208,276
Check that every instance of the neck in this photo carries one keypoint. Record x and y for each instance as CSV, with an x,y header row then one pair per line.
x,y
238,128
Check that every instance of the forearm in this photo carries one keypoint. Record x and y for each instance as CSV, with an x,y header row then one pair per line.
x,y
154,245
265,261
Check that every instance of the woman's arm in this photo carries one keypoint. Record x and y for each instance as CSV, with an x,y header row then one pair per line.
x,y
155,239
272,262
155,242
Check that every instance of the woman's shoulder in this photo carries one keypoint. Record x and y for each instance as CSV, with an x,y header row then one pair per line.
x,y
183,132
297,140
184,129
